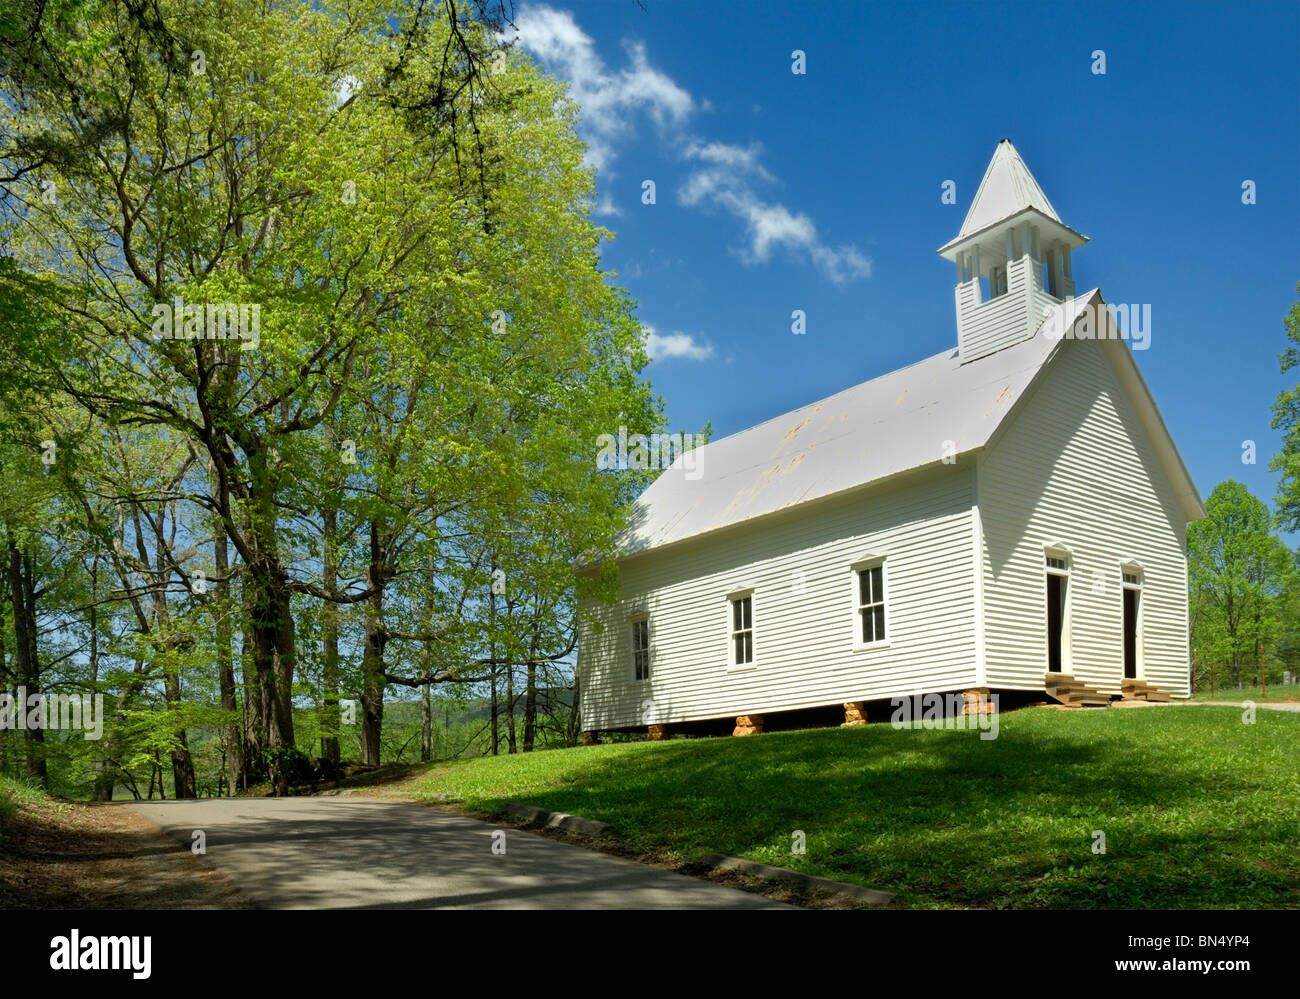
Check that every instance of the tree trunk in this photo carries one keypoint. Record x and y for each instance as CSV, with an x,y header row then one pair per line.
x,y
104,781
492,654
254,709
331,722
269,605
4,670
426,703
571,728
182,764
496,725
510,708
273,654
426,724
530,704
26,664
372,688
372,662
234,755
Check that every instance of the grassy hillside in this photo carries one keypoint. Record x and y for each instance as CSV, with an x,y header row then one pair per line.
x,y
14,794
1198,809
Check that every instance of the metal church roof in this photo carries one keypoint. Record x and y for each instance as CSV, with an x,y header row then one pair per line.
x,y
883,427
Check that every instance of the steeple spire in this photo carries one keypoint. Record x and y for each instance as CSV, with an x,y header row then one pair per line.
x,y
1012,256
1007,188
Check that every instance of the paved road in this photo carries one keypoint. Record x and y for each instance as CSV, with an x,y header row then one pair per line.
x,y
335,852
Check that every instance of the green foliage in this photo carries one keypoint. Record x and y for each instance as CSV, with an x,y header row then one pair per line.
x,y
1241,577
1286,417
416,236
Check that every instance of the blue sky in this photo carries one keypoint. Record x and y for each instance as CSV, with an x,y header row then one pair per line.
x,y
821,192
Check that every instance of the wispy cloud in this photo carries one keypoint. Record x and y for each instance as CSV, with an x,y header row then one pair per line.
x,y
607,97
726,176
722,176
661,348
743,159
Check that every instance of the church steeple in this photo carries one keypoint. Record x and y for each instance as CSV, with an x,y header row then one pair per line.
x,y
1012,256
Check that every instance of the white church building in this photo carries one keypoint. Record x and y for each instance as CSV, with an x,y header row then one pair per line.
x,y
1007,516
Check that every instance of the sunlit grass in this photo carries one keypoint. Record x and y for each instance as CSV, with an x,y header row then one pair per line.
x,y
1276,692
16,794
1197,808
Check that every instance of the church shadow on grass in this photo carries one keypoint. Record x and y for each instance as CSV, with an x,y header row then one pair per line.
x,y
1193,808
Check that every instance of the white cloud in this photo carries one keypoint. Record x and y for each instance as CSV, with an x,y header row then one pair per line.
x,y
720,154
724,175
661,348
726,178
606,97
843,263
605,205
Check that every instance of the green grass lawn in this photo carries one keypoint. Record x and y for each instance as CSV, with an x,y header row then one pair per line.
x,y
1198,809
1276,692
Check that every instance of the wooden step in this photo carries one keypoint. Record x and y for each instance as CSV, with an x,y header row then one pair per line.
x,y
1074,693
1138,690
1078,696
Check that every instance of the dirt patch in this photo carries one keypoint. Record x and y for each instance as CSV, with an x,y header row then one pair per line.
x,y
102,856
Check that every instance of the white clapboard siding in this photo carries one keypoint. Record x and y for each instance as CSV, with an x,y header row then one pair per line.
x,y
803,641
989,326
1073,466
1040,302
983,327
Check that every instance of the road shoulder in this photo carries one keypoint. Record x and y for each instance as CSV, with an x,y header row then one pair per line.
x,y
103,856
